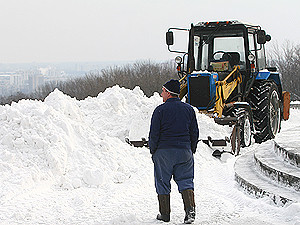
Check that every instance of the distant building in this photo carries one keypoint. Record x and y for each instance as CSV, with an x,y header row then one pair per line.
x,y
20,81
53,75
35,79
4,83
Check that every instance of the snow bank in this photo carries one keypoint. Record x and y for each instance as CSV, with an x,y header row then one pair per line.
x,y
70,143
67,162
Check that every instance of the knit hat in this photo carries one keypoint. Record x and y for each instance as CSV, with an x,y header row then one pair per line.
x,y
172,86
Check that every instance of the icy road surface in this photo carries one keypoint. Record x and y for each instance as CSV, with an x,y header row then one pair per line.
x,y
64,161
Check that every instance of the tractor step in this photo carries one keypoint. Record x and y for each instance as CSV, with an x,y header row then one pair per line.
x,y
142,143
217,142
213,143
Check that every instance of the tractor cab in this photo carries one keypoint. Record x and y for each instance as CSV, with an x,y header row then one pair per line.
x,y
219,46
219,53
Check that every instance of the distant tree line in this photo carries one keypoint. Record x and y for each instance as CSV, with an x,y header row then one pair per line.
x,y
151,75
287,60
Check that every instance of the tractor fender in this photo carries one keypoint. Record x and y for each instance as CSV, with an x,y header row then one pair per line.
x,y
273,76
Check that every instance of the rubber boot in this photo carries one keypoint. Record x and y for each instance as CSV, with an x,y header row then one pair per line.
x,y
189,206
164,208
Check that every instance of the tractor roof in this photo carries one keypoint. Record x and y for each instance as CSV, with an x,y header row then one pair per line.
x,y
228,23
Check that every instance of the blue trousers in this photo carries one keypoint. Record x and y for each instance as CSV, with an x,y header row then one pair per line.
x,y
178,163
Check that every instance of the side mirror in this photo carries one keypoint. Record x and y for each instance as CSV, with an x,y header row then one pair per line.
x,y
261,37
169,38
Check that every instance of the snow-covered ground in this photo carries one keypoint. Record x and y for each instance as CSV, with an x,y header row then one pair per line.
x,y
64,161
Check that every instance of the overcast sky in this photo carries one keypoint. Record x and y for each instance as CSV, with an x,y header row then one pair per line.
x,y
114,30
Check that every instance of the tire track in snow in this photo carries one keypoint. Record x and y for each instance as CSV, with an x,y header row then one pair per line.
x,y
216,193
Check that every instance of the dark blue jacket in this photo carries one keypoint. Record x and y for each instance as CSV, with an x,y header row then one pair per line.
x,y
173,125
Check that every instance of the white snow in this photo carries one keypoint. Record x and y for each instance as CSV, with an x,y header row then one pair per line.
x,y
64,161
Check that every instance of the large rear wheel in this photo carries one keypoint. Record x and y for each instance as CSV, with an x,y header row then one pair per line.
x,y
264,99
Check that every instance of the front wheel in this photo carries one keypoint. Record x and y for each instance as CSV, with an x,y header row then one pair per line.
x,y
246,133
245,123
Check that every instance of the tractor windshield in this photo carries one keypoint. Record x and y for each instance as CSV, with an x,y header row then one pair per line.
x,y
220,51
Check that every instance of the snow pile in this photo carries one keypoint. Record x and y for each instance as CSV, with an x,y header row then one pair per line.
x,y
64,161
69,143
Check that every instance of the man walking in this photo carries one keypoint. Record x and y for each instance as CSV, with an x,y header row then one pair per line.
x,y
173,139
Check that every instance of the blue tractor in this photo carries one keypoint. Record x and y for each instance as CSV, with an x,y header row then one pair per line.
x,y
225,75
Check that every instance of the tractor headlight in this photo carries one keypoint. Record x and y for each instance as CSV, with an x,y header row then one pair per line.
x,y
178,59
251,57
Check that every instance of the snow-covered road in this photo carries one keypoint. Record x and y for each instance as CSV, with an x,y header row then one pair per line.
x,y
64,161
